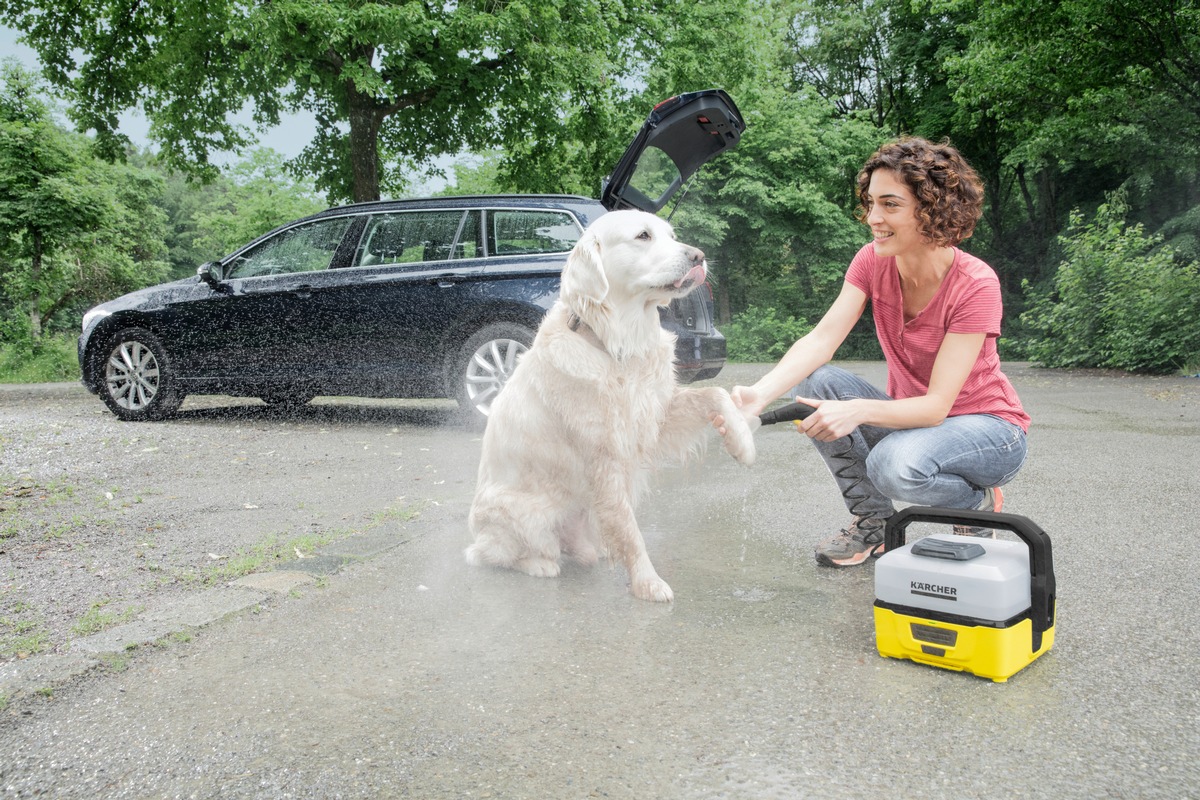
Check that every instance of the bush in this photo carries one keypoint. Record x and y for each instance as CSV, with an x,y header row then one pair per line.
x,y
1118,301
51,359
759,335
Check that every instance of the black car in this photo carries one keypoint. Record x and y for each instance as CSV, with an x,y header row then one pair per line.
x,y
409,298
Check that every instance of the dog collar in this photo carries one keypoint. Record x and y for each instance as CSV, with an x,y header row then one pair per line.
x,y
575,323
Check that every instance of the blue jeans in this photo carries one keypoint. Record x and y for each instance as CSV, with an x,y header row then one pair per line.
x,y
949,465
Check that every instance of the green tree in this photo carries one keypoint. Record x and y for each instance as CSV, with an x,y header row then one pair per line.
x,y
1118,300
1084,95
256,196
387,81
879,58
776,216
74,229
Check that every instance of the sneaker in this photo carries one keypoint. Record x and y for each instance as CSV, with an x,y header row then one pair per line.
x,y
853,545
993,500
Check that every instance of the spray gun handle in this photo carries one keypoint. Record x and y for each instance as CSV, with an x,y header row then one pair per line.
x,y
788,413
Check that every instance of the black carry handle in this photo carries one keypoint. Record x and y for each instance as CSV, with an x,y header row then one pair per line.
x,y
1042,589
788,413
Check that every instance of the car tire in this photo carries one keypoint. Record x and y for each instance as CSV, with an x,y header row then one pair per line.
x,y
138,382
484,364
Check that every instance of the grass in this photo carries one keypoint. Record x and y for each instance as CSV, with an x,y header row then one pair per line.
x,y
274,548
114,662
270,550
96,618
53,360
27,644
21,632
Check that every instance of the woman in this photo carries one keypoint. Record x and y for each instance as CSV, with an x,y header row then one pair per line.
x,y
950,430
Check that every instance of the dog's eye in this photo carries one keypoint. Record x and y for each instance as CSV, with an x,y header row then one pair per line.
x,y
644,236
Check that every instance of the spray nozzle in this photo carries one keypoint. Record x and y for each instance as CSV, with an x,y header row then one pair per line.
x,y
788,413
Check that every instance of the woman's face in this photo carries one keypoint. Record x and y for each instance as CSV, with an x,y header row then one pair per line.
x,y
892,215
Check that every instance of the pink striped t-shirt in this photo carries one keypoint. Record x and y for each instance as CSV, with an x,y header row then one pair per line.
x,y
968,301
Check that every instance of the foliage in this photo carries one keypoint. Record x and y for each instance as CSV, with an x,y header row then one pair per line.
x,y
762,335
51,360
72,229
391,84
876,58
258,195
1117,300
1085,96
476,174
1056,103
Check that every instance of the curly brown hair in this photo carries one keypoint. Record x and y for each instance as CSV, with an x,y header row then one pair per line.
x,y
949,193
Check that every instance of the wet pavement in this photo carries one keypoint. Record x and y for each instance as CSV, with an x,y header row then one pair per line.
x,y
405,673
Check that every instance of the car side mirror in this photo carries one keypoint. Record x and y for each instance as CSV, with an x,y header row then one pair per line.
x,y
211,273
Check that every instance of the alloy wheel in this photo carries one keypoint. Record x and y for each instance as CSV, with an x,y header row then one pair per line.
x,y
132,375
489,368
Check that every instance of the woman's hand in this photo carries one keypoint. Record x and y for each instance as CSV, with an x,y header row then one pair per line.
x,y
746,399
832,419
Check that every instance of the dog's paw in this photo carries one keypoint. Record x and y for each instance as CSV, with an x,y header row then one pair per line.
x,y
537,567
653,589
739,440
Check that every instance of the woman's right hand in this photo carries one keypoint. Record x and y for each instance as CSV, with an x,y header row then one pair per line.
x,y
747,400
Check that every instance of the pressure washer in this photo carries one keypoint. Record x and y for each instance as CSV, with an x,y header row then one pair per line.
x,y
984,606
977,605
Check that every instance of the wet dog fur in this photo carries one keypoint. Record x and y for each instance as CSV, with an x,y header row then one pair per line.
x,y
592,408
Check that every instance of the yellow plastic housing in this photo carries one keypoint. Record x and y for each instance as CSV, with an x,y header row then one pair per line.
x,y
989,652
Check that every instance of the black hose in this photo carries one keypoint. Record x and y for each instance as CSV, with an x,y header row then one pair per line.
x,y
798,411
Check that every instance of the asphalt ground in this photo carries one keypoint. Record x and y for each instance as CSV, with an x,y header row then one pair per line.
x,y
391,669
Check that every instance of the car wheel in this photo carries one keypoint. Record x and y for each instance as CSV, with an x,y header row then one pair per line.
x,y
139,382
485,364
287,399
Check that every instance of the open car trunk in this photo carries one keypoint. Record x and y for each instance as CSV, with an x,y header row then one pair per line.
x,y
680,136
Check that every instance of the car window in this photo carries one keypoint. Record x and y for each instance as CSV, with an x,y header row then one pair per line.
x,y
656,177
409,237
531,232
304,248
470,238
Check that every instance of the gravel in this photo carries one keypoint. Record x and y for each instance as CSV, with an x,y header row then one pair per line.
x,y
101,520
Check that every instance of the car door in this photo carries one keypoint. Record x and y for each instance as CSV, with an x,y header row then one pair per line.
x,y
390,307
256,326
680,135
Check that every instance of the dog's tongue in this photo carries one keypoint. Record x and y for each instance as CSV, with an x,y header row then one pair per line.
x,y
695,276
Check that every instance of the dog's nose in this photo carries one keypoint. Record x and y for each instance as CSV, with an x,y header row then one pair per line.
x,y
696,254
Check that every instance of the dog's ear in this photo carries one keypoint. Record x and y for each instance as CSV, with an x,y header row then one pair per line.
x,y
583,278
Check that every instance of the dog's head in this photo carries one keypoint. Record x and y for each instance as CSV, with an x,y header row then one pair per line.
x,y
629,258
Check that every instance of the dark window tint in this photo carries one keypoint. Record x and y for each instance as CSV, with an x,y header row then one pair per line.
x,y
532,232
409,237
304,248
470,238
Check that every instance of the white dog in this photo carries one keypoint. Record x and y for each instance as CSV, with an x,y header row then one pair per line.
x,y
592,407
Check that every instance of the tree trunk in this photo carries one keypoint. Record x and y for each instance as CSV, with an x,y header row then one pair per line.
x,y
35,279
723,315
365,119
